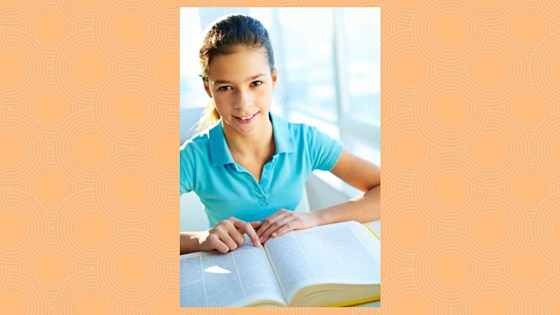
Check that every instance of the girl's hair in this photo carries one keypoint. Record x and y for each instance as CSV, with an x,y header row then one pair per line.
x,y
223,38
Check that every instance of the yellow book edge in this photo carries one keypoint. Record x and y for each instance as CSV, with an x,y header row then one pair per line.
x,y
362,301
372,232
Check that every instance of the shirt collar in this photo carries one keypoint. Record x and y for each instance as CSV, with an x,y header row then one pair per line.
x,y
219,150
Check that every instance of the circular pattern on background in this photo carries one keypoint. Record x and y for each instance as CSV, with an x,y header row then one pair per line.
x,y
400,293
450,29
132,268
442,192
491,303
131,108
165,148
444,36
125,34
451,269
137,83
545,76
490,229
166,304
109,273
80,295
13,228
450,109
51,267
79,148
91,68
23,294
500,72
529,28
13,67
489,149
399,45
411,229
18,12
13,303
17,148
501,294
24,68
548,10
546,228
51,27
80,228
166,68
492,14
410,69
163,231
444,112
489,69
439,250
92,228
91,148
529,109
545,149
123,168
450,189
79,12
74,75
131,28
404,243
410,303
21,165
51,107
492,249
546,300
529,268
410,149
529,188
131,188
398,13
51,187
394,128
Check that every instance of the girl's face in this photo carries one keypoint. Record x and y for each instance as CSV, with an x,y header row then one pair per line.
x,y
241,85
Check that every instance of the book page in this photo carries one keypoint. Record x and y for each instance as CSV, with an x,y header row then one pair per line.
x,y
233,279
342,253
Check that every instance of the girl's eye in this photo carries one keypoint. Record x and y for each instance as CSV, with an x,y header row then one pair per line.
x,y
257,83
224,88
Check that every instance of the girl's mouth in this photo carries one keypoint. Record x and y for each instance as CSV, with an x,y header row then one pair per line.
x,y
246,119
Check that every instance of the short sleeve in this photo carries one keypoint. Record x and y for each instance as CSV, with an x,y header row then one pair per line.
x,y
186,169
324,151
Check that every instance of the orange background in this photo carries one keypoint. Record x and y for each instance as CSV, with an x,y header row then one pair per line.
x,y
89,123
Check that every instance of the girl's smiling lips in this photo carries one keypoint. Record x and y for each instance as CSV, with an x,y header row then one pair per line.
x,y
246,119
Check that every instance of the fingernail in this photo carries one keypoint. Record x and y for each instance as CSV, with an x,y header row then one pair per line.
x,y
274,234
258,242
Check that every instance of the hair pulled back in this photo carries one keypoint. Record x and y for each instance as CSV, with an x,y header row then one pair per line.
x,y
224,37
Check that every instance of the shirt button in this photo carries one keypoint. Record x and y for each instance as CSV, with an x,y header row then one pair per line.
x,y
263,182
267,167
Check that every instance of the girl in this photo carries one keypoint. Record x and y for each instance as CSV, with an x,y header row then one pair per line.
x,y
250,168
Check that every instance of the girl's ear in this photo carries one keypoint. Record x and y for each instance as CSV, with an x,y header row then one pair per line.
x,y
274,78
206,87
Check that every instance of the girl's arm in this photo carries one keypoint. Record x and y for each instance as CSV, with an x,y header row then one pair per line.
x,y
355,171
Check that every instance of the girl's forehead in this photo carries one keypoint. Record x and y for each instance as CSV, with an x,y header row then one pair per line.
x,y
241,61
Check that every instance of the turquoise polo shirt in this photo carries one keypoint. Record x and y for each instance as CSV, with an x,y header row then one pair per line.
x,y
226,189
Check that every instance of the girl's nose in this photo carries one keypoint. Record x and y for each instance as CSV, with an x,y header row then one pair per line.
x,y
244,100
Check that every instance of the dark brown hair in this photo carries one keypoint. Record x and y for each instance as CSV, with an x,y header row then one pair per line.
x,y
223,37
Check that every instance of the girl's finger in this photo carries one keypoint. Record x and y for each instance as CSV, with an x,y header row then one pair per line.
x,y
246,227
270,220
276,226
292,225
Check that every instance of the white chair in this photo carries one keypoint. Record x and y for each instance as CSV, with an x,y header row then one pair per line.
x,y
193,217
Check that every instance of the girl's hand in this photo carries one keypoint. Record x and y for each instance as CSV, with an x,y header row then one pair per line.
x,y
228,235
284,221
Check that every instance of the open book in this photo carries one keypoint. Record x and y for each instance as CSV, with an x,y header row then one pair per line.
x,y
330,265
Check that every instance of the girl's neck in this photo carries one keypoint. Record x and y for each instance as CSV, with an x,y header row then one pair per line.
x,y
258,144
